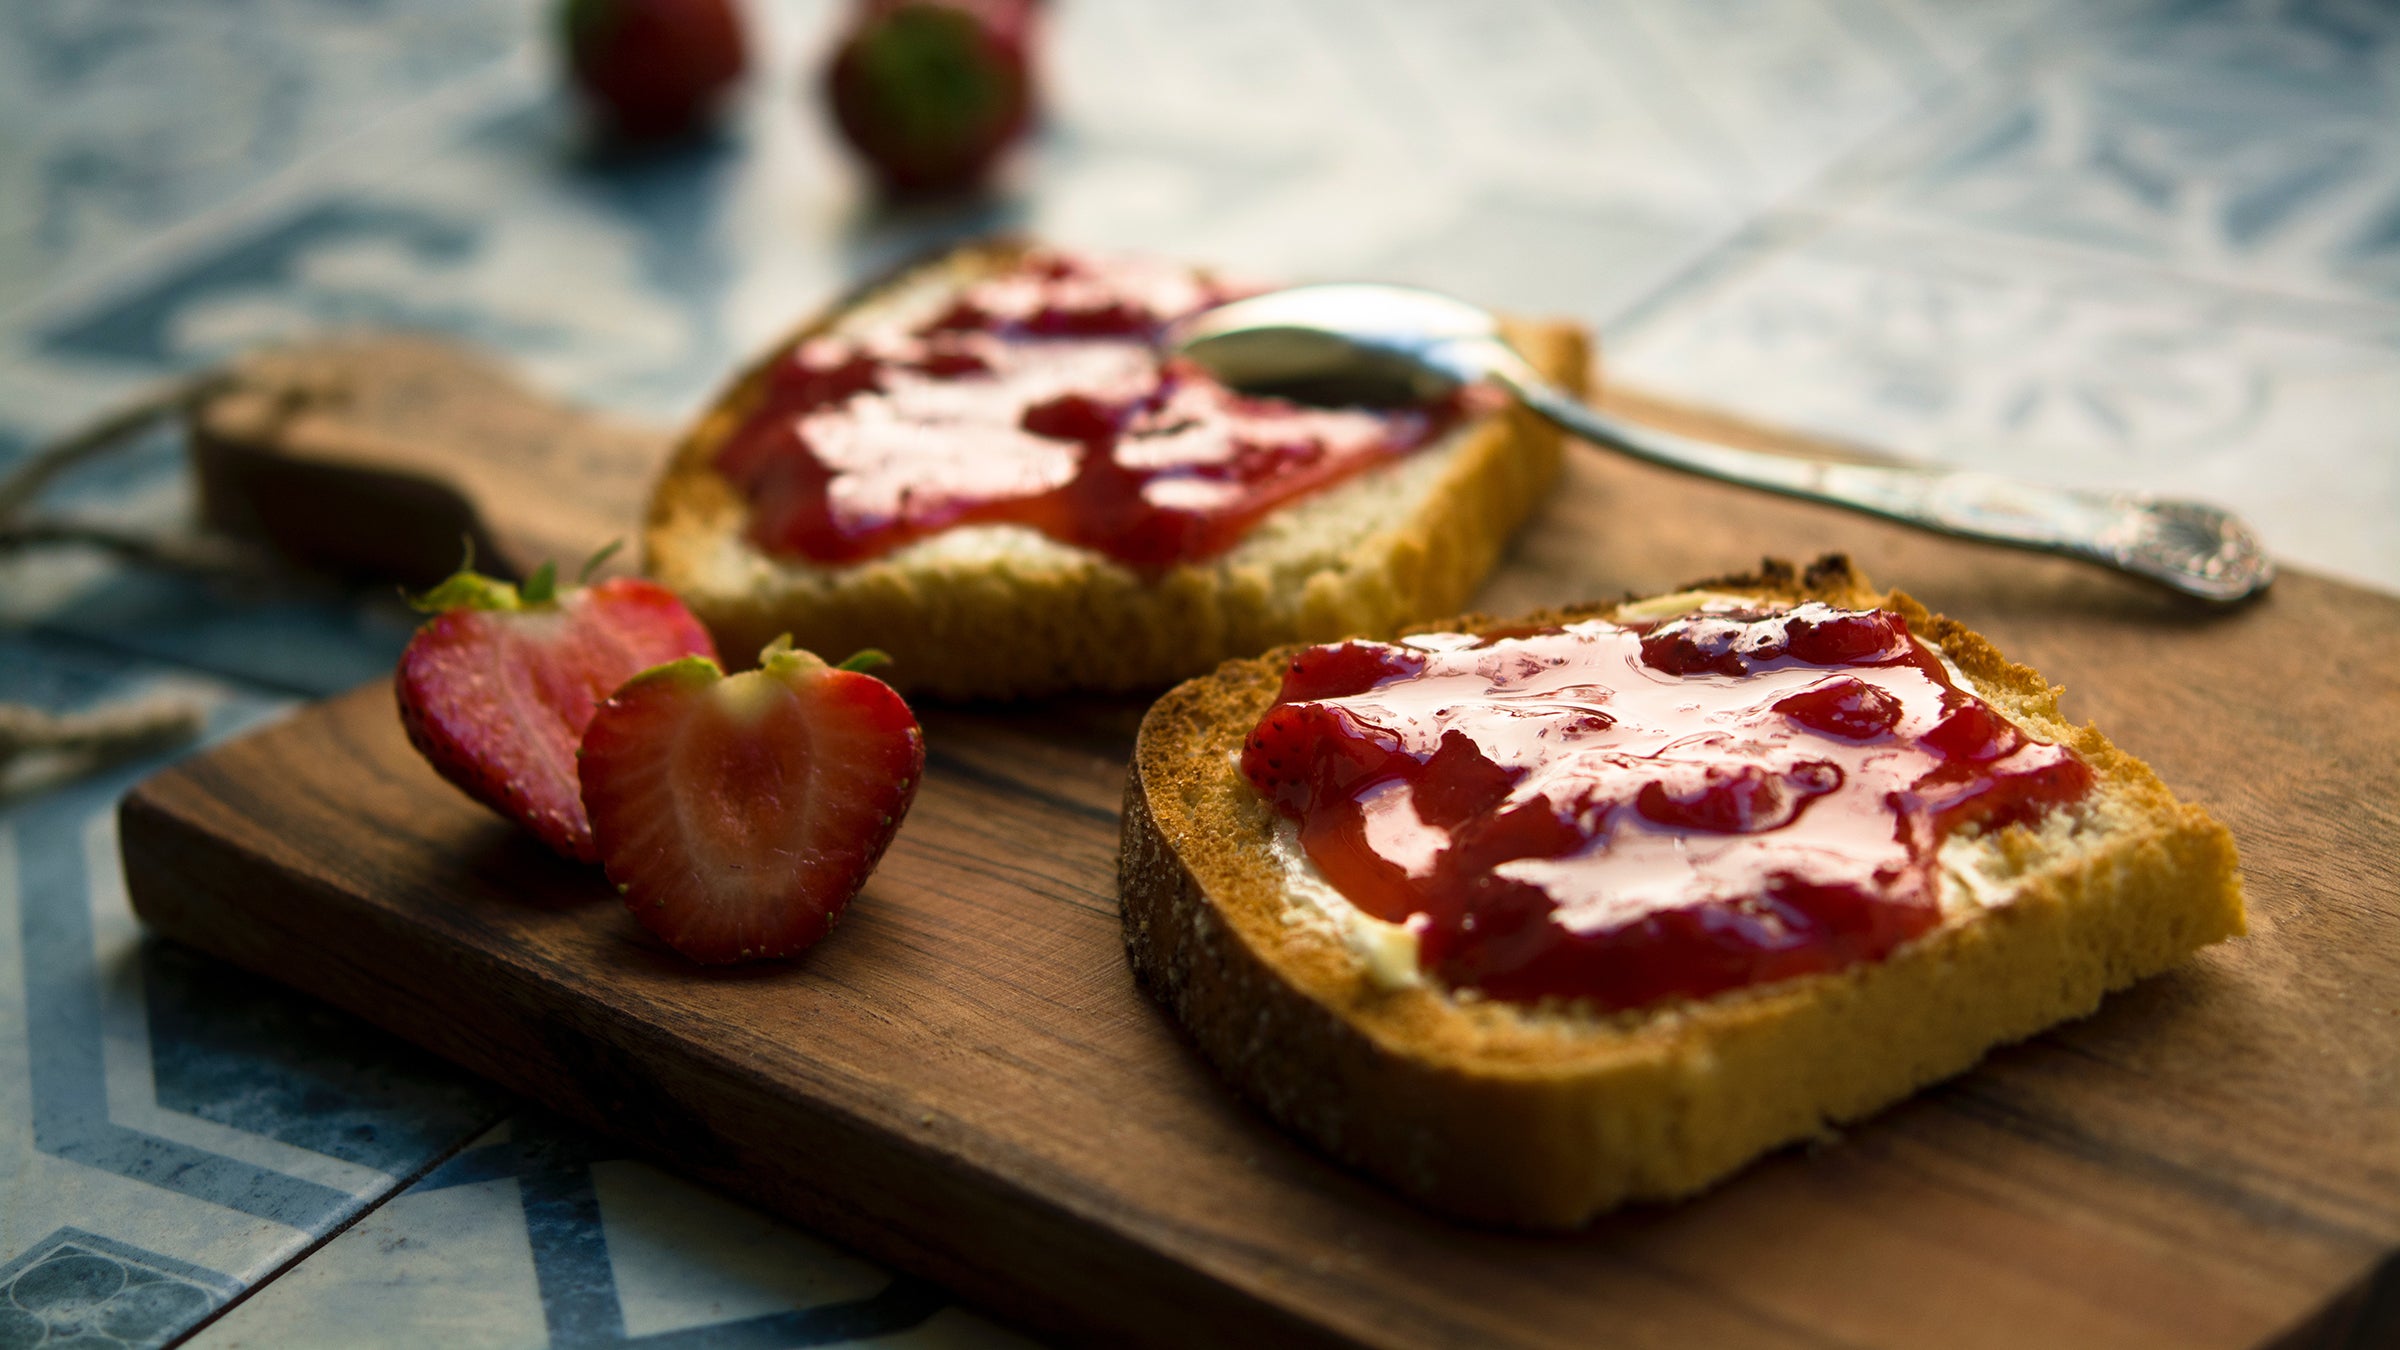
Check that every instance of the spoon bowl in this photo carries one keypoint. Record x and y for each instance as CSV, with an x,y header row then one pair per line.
x,y
1382,346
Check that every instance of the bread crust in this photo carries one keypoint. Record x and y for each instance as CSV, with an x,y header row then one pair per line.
x,y
1547,1116
1031,616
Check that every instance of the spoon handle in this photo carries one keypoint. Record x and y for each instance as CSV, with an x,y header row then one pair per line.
x,y
2196,549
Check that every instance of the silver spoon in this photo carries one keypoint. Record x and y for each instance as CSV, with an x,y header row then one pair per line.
x,y
1397,345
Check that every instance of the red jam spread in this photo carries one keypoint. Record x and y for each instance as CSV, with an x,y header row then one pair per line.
x,y
1627,813
1039,397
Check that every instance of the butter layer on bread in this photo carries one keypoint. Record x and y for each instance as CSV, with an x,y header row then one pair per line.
x,y
1545,1115
1005,611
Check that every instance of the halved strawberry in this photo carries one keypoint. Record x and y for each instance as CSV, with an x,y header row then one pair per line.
x,y
740,813
496,690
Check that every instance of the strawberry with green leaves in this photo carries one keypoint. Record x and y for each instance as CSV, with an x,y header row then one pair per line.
x,y
930,92
496,690
740,813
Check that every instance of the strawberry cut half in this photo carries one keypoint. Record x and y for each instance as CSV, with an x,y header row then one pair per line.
x,y
740,814
496,689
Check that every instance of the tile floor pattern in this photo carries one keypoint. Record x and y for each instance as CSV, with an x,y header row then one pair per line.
x,y
74,1287
2142,244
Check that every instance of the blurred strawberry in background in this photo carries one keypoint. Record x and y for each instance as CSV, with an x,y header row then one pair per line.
x,y
653,69
930,92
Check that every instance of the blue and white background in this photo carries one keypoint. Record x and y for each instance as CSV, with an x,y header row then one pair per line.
x,y
2143,244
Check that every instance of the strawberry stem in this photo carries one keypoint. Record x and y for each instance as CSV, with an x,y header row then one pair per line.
x,y
542,587
592,563
694,670
865,659
467,590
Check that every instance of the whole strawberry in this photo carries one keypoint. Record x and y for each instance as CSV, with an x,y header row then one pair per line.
x,y
931,91
496,690
739,814
653,68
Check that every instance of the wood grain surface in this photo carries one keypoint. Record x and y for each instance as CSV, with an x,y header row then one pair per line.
x,y
966,1082
373,454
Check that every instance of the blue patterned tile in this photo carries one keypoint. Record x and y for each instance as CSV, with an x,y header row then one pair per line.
x,y
80,1289
229,1047
128,119
2250,142
180,1110
448,1266
539,1234
139,329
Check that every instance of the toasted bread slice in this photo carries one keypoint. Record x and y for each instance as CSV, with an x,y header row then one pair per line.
x,y
1005,611
1545,1115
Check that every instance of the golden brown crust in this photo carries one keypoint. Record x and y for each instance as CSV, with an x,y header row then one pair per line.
x,y
1547,1116
962,624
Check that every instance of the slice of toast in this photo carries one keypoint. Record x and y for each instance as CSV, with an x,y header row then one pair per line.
x,y
1006,611
1547,1114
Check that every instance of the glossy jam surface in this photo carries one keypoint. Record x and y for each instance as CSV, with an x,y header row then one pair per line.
x,y
1630,813
1039,397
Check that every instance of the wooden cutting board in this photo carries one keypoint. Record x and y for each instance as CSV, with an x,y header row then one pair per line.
x,y
966,1082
